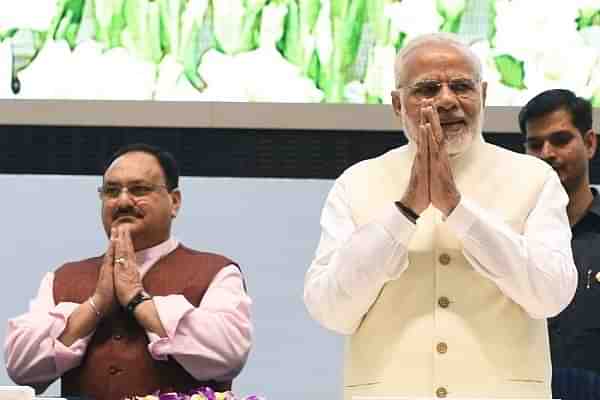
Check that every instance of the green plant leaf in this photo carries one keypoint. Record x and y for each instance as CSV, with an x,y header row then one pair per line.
x,y
492,23
378,22
587,17
314,67
8,34
291,45
196,39
347,25
511,70
170,25
142,32
399,43
452,12
109,21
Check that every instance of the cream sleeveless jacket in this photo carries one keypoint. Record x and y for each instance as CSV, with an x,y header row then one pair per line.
x,y
442,329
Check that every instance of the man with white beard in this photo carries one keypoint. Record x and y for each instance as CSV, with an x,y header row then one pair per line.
x,y
441,260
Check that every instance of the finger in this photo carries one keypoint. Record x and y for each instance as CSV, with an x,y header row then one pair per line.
x,y
433,143
128,245
425,106
434,119
120,251
109,256
424,141
431,116
119,255
419,139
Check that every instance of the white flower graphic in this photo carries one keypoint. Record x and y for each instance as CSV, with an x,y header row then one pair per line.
x,y
27,14
546,40
5,70
414,17
261,75
172,84
88,72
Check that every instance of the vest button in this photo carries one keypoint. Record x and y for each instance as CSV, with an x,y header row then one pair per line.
x,y
441,392
444,302
442,348
444,259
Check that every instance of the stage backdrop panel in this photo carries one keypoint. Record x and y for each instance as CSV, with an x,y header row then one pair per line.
x,y
298,51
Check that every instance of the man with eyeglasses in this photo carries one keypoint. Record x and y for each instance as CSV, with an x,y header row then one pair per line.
x,y
150,314
441,260
558,129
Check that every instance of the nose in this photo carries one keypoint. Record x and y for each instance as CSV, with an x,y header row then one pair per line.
x,y
124,196
547,152
446,98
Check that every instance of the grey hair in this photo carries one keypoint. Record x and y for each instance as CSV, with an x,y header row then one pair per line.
x,y
438,38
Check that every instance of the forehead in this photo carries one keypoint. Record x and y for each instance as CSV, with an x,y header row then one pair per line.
x,y
555,121
135,166
437,60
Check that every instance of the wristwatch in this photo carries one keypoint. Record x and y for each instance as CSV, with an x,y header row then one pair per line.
x,y
140,297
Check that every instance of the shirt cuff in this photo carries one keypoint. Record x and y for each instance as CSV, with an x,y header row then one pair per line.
x,y
171,309
65,357
396,224
400,229
462,218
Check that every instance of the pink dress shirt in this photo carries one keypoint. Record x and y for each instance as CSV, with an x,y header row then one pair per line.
x,y
211,341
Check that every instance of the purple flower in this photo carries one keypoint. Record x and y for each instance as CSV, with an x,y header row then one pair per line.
x,y
170,396
209,393
204,392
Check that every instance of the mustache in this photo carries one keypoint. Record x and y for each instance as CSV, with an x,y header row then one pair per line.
x,y
127,212
445,118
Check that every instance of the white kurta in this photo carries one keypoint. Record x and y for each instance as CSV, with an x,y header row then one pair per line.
x,y
454,307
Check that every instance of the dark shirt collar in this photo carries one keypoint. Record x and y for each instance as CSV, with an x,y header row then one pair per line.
x,y
595,206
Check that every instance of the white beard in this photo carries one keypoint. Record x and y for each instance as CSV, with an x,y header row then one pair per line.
x,y
458,144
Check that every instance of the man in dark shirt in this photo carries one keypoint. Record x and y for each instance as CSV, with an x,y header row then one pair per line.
x,y
558,129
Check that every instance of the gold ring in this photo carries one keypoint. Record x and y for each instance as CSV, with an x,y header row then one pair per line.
x,y
120,260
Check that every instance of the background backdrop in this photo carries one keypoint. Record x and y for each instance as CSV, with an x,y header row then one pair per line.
x,y
72,72
301,51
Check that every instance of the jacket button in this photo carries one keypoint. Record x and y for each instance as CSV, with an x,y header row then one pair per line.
x,y
441,392
444,259
113,370
442,348
444,302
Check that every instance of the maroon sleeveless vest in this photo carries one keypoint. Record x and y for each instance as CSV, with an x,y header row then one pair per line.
x,y
117,362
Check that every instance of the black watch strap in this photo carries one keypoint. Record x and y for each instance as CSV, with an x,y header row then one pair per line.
x,y
407,211
137,299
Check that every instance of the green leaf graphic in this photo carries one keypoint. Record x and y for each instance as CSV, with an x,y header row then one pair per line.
x,y
511,70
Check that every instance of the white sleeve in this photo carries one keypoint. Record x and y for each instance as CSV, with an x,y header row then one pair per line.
x,y
352,264
535,269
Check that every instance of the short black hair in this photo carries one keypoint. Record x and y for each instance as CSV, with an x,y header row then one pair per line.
x,y
558,99
165,159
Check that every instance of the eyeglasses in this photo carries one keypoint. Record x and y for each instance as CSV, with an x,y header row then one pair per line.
x,y
135,190
430,88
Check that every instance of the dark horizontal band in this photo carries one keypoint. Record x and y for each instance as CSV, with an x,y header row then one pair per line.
x,y
72,150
